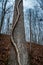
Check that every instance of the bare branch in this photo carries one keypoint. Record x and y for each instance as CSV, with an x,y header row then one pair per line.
x,y
3,13
9,8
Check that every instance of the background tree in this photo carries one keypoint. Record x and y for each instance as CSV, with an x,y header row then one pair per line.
x,y
5,11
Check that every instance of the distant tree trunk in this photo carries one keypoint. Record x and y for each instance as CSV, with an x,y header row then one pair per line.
x,y
5,10
30,28
19,33
7,29
3,13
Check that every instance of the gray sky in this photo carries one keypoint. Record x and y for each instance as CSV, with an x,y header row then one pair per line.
x,y
30,3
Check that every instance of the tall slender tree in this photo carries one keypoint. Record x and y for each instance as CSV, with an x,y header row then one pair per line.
x,y
18,33
4,10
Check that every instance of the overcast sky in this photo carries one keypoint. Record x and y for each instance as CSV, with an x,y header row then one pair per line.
x,y
30,3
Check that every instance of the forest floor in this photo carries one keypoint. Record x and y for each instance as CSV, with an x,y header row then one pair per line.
x,y
8,54
36,54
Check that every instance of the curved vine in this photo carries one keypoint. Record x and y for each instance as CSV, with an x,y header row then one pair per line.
x,y
13,30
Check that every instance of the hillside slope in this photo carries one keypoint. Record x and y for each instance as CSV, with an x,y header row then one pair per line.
x,y
8,54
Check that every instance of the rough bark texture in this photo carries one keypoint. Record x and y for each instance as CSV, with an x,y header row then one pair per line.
x,y
19,33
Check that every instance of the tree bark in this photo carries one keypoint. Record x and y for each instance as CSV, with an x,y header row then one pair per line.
x,y
19,33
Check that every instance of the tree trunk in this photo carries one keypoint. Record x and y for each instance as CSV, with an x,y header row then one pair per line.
x,y
19,33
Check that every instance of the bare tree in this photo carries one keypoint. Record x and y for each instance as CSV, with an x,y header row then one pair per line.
x,y
8,29
18,33
4,11
30,28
